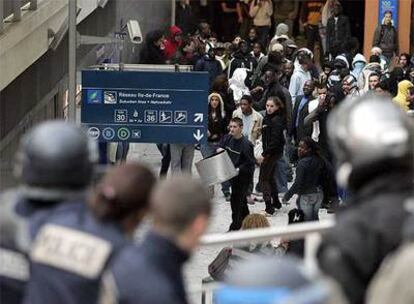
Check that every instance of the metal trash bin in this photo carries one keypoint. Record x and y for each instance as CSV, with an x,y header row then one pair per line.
x,y
216,168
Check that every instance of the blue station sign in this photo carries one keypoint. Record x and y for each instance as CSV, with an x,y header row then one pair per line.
x,y
146,107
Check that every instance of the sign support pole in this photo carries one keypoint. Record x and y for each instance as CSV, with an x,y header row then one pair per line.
x,y
72,61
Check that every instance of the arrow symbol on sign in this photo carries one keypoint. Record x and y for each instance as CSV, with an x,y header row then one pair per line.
x,y
198,135
198,117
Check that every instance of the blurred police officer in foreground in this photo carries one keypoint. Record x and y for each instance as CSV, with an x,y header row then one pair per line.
x,y
152,272
373,142
265,280
54,164
76,243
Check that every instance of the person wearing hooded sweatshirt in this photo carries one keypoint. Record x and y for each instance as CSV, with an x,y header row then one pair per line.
x,y
350,87
217,128
238,84
300,75
373,66
403,93
386,36
153,50
358,64
217,124
242,59
282,31
173,42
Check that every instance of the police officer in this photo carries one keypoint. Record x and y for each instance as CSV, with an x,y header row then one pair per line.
x,y
152,272
54,163
373,142
76,243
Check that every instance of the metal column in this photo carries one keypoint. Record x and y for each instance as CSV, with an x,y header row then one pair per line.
x,y
173,12
1,16
17,11
72,61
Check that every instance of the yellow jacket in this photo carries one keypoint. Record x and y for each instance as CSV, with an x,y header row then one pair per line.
x,y
403,91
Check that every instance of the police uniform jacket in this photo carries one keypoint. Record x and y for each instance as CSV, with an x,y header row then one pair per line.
x,y
20,219
69,255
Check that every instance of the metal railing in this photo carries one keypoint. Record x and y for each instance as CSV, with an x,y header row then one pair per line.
x,y
11,10
310,231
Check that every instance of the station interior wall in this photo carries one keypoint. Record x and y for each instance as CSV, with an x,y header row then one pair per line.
x,y
38,93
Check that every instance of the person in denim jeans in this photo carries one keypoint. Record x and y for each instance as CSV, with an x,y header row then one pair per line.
x,y
308,180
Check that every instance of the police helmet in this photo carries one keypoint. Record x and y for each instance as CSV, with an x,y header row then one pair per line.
x,y
369,135
54,160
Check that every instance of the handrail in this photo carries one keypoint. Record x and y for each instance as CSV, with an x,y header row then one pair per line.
x,y
290,232
310,231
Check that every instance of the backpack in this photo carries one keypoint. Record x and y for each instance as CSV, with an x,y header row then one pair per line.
x,y
224,262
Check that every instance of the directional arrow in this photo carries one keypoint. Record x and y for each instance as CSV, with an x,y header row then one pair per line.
x,y
198,135
198,117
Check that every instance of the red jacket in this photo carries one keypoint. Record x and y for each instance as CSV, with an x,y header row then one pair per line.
x,y
170,44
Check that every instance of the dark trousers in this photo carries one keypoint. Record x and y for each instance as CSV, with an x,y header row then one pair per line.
x,y
166,158
268,183
238,201
122,151
312,36
263,34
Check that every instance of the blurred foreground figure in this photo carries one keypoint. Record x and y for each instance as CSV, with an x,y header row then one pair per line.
x,y
152,272
276,281
78,240
393,281
54,164
373,142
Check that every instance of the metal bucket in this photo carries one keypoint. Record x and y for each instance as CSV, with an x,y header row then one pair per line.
x,y
216,169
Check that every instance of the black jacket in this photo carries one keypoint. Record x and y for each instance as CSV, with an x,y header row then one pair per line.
x,y
151,54
337,35
217,127
210,65
365,233
150,273
274,89
308,176
272,134
185,19
242,61
301,130
241,154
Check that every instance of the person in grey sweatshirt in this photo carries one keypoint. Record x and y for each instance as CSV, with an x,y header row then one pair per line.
x,y
300,75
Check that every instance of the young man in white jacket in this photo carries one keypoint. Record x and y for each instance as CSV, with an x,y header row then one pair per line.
x,y
252,127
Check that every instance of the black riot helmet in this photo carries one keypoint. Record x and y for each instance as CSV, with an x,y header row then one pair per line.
x,y
54,161
370,136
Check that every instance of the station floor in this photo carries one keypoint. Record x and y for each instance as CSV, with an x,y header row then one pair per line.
x,y
196,269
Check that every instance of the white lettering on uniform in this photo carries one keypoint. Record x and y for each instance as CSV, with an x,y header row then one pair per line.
x,y
71,250
13,265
